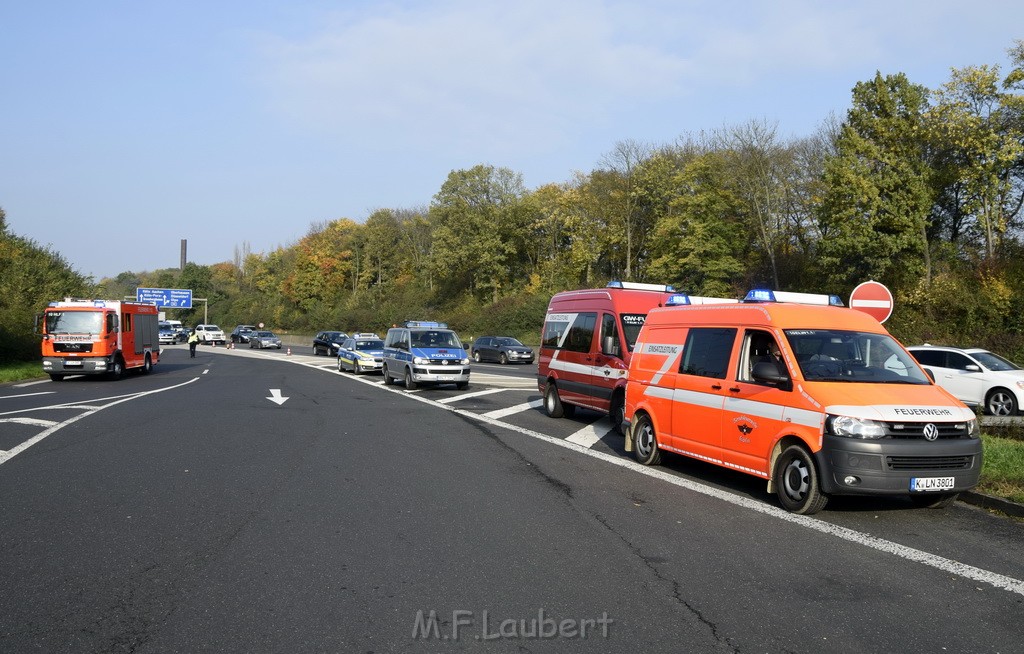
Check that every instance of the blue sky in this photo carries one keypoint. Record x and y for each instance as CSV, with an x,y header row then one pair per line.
x,y
127,126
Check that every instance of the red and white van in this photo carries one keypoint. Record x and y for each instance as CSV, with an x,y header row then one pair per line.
x,y
817,400
587,341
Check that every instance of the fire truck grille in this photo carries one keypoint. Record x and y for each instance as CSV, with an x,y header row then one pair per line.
x,y
72,347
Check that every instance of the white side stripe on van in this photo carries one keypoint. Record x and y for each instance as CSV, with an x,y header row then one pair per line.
x,y
753,408
564,366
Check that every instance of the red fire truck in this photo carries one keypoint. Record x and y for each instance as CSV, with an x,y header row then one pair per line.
x,y
99,337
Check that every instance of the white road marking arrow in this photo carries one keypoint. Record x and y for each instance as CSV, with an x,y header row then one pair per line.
x,y
275,396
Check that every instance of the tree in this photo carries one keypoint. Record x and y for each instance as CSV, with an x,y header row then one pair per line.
x,y
978,130
698,246
878,193
627,223
31,276
475,218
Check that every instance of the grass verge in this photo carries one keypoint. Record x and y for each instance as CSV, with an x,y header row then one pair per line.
x,y
1002,474
21,371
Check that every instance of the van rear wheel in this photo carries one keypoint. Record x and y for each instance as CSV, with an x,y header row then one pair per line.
x,y
617,412
387,377
645,444
796,482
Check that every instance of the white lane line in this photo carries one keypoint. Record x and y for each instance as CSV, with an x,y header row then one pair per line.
x,y
10,454
7,397
38,422
33,383
590,434
519,408
466,396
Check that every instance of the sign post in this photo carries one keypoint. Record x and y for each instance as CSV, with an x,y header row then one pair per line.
x,y
874,299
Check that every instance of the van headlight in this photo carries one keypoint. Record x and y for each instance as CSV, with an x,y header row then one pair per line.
x,y
420,361
972,428
465,361
849,427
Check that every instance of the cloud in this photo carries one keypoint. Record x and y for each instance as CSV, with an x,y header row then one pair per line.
x,y
465,74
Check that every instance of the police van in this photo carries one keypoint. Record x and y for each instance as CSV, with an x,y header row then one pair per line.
x,y
421,352
815,398
587,341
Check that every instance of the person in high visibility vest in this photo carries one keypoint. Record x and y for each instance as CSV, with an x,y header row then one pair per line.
x,y
193,341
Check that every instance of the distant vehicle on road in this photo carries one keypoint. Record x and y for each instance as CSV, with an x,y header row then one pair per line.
x,y
240,334
167,335
503,349
210,334
263,339
361,355
328,343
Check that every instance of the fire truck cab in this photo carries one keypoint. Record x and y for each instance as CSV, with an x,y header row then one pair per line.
x,y
99,337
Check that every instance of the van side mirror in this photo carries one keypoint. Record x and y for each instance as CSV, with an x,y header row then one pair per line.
x,y
610,347
767,372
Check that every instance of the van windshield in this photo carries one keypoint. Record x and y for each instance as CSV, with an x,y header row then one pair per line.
x,y
631,324
847,356
435,338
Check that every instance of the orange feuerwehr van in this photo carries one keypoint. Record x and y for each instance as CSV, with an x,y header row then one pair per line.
x,y
817,399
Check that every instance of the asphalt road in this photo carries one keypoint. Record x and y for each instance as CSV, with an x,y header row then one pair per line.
x,y
195,509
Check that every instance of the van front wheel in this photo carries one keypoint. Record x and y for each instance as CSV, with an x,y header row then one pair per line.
x,y
553,403
796,482
645,445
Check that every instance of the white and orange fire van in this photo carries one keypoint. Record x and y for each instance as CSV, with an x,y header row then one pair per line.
x,y
587,340
814,397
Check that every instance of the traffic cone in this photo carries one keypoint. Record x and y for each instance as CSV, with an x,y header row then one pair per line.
x,y
289,352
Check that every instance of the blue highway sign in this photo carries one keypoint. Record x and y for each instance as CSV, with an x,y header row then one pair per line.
x,y
177,298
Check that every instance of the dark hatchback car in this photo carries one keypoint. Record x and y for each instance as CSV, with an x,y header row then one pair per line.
x,y
328,343
503,349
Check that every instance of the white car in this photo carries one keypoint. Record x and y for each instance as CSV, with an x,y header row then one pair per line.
x,y
210,334
974,376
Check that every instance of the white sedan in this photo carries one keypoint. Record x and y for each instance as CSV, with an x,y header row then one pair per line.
x,y
974,376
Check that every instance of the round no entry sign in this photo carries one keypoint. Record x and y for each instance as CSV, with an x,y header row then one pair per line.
x,y
873,299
